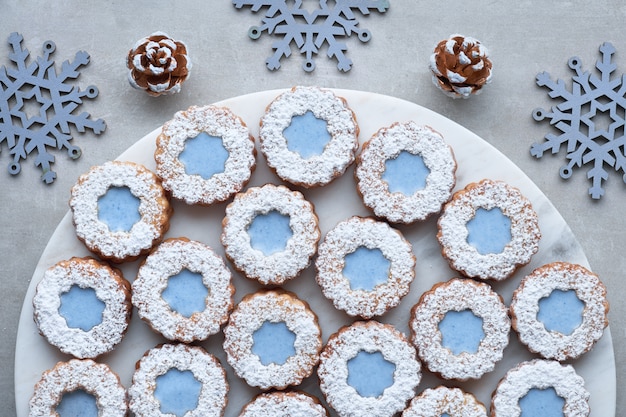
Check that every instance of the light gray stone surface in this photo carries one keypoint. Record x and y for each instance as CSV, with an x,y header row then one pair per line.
x,y
524,38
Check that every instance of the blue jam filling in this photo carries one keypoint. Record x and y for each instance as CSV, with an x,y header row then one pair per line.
x,y
489,231
185,293
270,232
118,208
461,331
204,155
273,343
542,402
177,391
306,135
365,268
405,174
561,311
77,403
445,415
81,308
370,373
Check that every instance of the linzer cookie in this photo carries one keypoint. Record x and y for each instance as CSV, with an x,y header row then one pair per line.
x,y
284,403
368,369
204,155
444,401
365,267
270,233
79,387
488,230
560,310
82,306
405,172
178,379
540,388
183,290
272,339
120,210
309,136
460,329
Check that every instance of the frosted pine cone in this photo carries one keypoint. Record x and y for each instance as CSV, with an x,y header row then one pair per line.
x,y
158,64
460,66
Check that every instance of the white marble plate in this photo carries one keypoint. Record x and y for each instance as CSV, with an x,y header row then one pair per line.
x,y
337,201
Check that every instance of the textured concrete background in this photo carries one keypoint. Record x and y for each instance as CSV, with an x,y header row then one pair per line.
x,y
523,38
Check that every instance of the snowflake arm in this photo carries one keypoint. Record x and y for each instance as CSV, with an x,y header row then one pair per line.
x,y
38,84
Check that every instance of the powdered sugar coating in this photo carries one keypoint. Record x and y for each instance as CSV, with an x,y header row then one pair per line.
x,y
539,284
236,139
279,266
154,209
451,401
345,238
94,378
167,260
338,153
540,374
369,336
453,232
386,144
110,287
274,306
289,404
205,368
459,295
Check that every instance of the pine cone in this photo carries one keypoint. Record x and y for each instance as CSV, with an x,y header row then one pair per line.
x,y
460,66
158,64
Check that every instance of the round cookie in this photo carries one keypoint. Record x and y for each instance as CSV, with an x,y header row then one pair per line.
x,y
204,155
178,379
405,172
284,403
560,310
368,369
460,329
120,210
309,136
82,306
365,267
270,233
540,387
183,290
79,387
444,401
272,340
488,230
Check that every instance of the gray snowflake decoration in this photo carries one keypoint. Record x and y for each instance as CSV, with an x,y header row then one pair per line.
x,y
590,119
311,30
37,107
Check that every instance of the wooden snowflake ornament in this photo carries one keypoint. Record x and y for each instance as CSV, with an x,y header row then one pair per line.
x,y
293,23
38,84
581,117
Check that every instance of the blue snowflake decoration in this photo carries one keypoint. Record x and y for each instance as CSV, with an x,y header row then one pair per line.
x,y
590,120
37,107
310,30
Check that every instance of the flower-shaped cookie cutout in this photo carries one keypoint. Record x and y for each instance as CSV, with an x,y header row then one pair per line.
x,y
158,64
